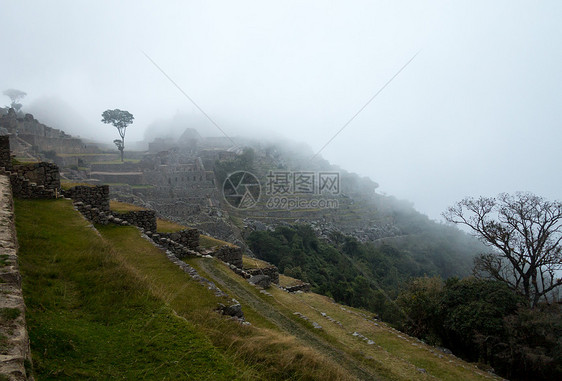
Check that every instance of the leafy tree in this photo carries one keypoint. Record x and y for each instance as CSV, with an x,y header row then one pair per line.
x,y
120,119
525,234
473,312
14,96
420,300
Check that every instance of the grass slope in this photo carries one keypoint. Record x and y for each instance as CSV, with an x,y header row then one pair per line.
x,y
90,317
111,306
388,355
107,304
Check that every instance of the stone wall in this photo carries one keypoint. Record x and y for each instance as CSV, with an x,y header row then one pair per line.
x,y
271,271
61,144
43,137
36,180
176,248
96,197
304,287
229,254
46,174
5,158
15,355
187,237
93,214
145,219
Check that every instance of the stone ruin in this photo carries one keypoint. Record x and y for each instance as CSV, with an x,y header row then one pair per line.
x,y
33,180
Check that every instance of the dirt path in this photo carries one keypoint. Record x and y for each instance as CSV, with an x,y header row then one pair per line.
x,y
247,298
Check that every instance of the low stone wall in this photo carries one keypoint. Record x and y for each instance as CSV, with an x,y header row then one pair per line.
x,y
304,287
145,219
174,247
229,254
46,174
37,180
96,197
15,355
271,271
93,214
22,187
58,144
187,237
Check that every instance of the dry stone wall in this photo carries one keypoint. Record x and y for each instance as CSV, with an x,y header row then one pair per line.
x,y
187,237
96,197
15,356
271,271
37,180
145,219
229,254
46,174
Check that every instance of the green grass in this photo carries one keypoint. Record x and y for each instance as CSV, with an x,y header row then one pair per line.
x,y
91,317
114,307
208,242
253,263
167,226
67,184
124,207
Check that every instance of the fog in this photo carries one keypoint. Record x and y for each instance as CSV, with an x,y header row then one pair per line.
x,y
477,112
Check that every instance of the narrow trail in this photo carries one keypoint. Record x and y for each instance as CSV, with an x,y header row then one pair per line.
x,y
246,298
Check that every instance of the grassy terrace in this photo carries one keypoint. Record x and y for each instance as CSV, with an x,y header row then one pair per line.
x,y
392,356
89,314
123,207
113,307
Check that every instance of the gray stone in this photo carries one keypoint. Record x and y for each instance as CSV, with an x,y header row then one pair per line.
x,y
263,281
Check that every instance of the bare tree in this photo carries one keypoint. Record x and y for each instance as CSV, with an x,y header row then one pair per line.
x,y
120,119
525,232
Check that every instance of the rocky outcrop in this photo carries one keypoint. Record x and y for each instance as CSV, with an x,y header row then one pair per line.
x,y
15,356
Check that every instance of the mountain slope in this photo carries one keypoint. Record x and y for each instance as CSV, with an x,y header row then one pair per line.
x,y
106,303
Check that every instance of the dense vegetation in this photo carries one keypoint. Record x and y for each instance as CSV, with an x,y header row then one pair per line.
x,y
483,320
480,320
357,274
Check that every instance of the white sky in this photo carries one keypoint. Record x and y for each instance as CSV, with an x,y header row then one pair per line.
x,y
478,112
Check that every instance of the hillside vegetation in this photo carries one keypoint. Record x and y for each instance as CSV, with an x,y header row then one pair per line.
x,y
107,304
354,273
